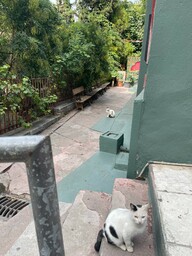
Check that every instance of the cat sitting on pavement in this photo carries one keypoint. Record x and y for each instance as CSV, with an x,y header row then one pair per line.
x,y
110,112
122,225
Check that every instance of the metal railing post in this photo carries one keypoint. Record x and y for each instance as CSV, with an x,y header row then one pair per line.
x,y
36,152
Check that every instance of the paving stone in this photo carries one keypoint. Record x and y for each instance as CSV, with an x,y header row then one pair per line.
x,y
4,182
13,228
126,191
177,250
171,191
18,176
85,219
26,244
4,167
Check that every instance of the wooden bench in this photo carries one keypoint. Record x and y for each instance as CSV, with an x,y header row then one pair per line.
x,y
99,90
80,98
95,93
104,87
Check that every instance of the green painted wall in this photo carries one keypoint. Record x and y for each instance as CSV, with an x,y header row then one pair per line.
x,y
143,67
136,122
165,130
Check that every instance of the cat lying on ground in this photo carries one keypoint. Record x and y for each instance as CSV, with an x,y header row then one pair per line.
x,y
110,112
122,225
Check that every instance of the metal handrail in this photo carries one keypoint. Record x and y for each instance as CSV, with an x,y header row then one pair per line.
x,y
36,153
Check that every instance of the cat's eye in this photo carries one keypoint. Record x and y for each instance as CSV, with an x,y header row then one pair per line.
x,y
143,217
136,217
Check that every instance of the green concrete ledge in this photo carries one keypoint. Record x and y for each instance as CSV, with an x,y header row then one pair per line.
x,y
121,162
136,120
111,142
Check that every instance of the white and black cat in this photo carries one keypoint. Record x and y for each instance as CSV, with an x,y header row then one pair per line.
x,y
122,225
110,112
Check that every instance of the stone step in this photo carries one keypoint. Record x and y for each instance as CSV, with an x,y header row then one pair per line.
x,y
80,224
25,236
64,107
13,228
85,218
171,195
126,191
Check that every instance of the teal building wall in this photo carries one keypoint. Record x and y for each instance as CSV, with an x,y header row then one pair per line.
x,y
162,117
143,67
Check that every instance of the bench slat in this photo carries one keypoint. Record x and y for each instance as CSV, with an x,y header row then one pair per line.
x,y
83,98
78,90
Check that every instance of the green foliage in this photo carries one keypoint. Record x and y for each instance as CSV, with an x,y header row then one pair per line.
x,y
136,24
90,53
36,37
14,94
69,67
104,7
64,7
31,35
120,17
131,80
76,46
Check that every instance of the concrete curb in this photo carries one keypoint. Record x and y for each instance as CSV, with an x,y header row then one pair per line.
x,y
171,195
158,232
44,122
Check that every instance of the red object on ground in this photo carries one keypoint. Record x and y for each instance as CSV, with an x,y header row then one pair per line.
x,y
136,66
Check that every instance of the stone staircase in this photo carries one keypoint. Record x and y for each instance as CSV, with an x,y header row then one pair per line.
x,y
126,191
86,217
82,220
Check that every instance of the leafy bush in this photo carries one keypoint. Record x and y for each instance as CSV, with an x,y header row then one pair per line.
x,y
132,80
19,96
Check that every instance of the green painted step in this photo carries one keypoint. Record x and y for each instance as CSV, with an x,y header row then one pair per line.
x,y
96,174
122,161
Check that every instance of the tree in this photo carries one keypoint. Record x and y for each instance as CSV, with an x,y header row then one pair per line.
x,y
32,35
64,7
104,7
69,67
39,39
136,24
76,46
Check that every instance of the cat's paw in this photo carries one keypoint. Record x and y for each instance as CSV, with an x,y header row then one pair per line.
x,y
130,248
123,247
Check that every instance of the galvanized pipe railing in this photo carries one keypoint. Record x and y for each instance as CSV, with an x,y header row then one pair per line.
x,y
36,152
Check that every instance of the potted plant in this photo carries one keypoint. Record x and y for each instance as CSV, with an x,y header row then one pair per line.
x,y
131,80
120,78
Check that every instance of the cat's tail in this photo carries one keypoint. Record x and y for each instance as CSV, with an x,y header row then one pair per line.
x,y
99,240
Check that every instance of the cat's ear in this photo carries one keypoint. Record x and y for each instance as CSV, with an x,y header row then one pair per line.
x,y
146,206
133,207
